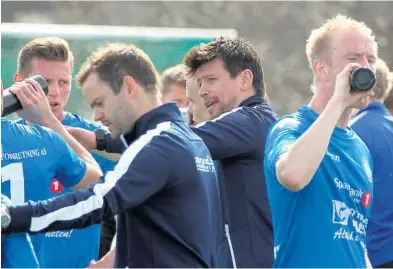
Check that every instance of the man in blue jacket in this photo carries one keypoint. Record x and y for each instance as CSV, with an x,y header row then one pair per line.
x,y
374,125
230,77
163,189
231,83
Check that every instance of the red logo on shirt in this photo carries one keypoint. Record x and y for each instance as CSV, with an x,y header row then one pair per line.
x,y
366,199
56,186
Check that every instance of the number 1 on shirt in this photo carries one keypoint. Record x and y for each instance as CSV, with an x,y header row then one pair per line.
x,y
14,173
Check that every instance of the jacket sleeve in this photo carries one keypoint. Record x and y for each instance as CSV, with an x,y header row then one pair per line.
x,y
234,133
140,173
113,145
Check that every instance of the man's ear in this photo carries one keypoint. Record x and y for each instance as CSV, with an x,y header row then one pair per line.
x,y
320,70
246,79
17,77
130,86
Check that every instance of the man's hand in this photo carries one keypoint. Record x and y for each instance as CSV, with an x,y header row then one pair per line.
x,y
35,105
85,137
5,215
342,92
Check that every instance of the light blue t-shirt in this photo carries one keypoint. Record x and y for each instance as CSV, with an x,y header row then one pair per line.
x,y
37,164
325,223
17,252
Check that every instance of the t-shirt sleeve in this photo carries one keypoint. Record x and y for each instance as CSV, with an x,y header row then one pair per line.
x,y
71,168
281,137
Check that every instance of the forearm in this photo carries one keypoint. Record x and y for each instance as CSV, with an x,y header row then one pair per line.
x,y
296,167
68,211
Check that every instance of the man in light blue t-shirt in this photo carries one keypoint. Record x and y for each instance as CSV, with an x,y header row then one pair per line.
x,y
318,171
52,58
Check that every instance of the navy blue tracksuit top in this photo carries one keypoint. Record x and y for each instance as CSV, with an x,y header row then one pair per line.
x,y
164,190
236,140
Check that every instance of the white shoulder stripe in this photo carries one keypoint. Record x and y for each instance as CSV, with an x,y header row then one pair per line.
x,y
96,201
219,117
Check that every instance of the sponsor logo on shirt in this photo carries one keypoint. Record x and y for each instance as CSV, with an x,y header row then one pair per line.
x,y
334,157
367,169
59,234
353,193
353,225
366,200
56,186
205,164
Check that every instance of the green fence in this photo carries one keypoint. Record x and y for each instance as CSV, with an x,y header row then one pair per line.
x,y
165,46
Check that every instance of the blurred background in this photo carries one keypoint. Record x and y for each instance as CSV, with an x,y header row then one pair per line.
x,y
277,29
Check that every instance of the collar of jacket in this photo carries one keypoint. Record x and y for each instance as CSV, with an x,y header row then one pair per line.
x,y
166,112
376,106
252,101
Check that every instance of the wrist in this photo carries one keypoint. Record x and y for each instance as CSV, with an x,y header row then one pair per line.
x,y
51,122
5,217
100,138
337,103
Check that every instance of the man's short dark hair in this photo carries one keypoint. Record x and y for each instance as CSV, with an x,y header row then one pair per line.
x,y
117,60
47,48
236,54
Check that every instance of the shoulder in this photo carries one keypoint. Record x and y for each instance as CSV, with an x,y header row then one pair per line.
x,y
76,120
31,131
287,123
260,114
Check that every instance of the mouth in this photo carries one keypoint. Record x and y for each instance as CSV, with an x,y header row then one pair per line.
x,y
209,104
107,124
54,105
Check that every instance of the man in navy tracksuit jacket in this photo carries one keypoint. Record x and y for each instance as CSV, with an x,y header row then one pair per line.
x,y
236,140
163,189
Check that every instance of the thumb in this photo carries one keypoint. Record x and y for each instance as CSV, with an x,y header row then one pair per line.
x,y
348,69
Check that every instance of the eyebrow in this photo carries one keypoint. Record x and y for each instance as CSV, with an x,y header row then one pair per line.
x,y
359,54
94,103
206,75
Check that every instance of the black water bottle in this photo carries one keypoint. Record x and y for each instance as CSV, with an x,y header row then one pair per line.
x,y
12,104
362,79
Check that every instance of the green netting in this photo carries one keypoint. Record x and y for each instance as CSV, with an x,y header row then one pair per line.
x,y
164,52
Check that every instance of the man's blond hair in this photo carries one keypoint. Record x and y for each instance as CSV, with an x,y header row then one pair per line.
x,y
319,41
389,96
175,75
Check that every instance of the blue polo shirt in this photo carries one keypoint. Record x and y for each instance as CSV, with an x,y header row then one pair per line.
x,y
374,125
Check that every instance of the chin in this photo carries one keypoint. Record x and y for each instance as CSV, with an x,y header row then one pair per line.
x,y
114,134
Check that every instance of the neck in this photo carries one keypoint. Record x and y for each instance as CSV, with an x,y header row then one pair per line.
x,y
319,102
149,103
61,116
244,96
